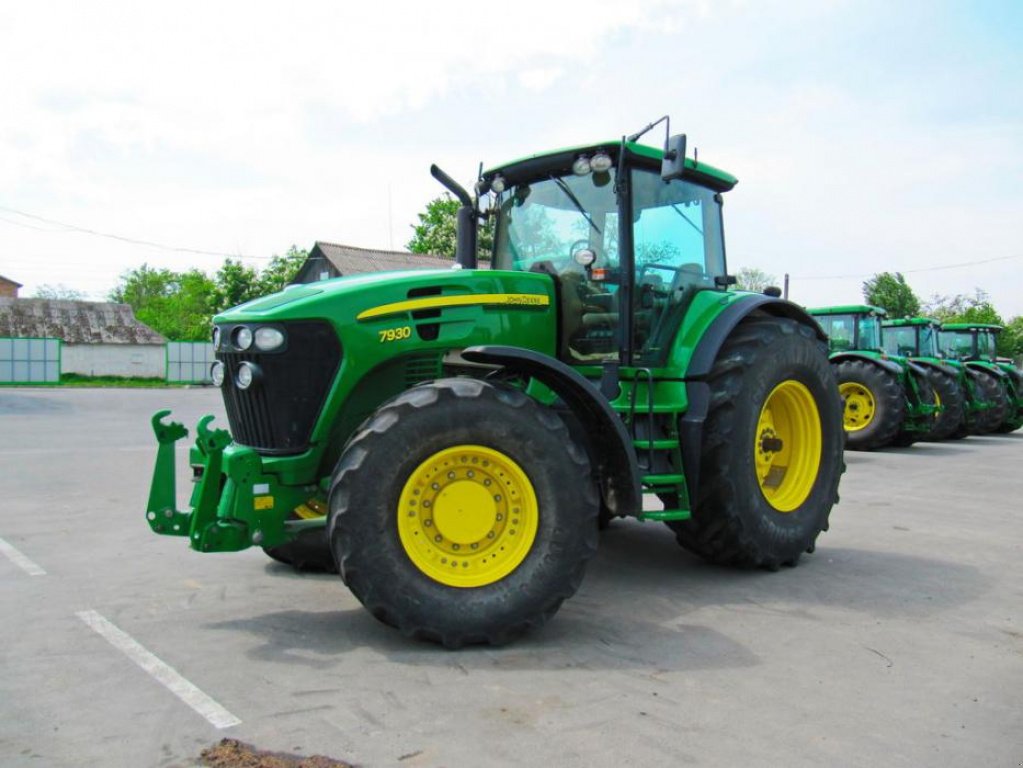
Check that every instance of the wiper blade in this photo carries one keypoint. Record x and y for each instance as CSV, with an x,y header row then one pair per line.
x,y
688,220
575,201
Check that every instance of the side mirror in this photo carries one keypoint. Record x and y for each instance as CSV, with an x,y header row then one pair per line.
x,y
674,164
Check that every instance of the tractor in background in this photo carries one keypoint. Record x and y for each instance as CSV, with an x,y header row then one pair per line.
x,y
955,385
1001,382
888,399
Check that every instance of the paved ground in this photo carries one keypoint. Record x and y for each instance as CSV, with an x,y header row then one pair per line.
x,y
899,643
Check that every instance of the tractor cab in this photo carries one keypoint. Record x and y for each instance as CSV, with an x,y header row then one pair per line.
x,y
912,337
628,243
970,341
852,327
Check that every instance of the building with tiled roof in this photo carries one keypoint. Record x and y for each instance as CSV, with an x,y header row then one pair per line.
x,y
327,260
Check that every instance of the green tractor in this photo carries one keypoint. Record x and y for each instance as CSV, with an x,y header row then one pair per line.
x,y
999,380
888,399
451,439
955,388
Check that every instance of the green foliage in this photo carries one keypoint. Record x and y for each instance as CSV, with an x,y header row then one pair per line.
x,y
754,279
436,233
181,305
963,308
891,291
58,291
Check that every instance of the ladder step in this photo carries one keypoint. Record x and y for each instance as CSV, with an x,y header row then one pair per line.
x,y
657,445
663,479
666,514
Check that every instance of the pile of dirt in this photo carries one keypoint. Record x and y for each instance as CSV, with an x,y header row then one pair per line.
x,y
231,753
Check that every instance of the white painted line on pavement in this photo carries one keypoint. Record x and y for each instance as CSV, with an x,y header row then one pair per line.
x,y
20,560
163,673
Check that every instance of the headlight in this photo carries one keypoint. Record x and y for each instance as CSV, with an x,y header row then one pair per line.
x,y
243,338
269,339
246,375
216,337
600,162
217,374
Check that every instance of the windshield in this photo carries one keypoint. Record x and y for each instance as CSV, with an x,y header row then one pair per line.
x,y
957,345
929,341
841,331
986,345
543,224
900,340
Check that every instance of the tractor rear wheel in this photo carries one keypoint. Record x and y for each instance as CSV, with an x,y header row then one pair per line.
x,y
1014,412
772,448
463,512
949,396
998,404
874,404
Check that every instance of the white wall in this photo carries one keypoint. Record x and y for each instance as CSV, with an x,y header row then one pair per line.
x,y
144,360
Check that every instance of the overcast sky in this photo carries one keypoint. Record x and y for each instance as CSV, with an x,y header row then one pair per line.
x,y
867,136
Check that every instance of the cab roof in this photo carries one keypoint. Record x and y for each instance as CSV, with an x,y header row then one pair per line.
x,y
899,321
560,160
849,309
971,327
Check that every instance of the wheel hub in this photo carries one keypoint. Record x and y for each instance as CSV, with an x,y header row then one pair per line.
x,y
788,446
467,516
859,406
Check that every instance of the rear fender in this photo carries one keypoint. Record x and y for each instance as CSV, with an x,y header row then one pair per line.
x,y
889,365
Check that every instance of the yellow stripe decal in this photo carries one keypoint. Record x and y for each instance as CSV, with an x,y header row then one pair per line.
x,y
464,300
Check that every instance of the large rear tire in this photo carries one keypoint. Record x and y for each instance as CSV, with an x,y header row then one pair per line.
x,y
463,512
994,395
772,448
1013,388
950,397
874,404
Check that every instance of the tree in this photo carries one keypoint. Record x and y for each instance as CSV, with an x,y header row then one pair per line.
x,y
754,279
281,270
436,232
58,291
235,284
176,305
963,308
891,291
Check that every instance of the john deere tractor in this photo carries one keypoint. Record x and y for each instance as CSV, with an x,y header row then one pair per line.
x,y
955,387
888,399
997,378
449,439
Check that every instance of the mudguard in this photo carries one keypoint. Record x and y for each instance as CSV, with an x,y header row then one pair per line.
x,y
889,365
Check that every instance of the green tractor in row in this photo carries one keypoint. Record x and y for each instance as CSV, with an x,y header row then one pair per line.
x,y
957,387
449,439
998,378
889,399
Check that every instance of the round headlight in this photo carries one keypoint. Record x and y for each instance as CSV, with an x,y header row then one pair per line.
x,y
216,337
600,162
581,166
269,339
246,375
217,374
243,337
497,184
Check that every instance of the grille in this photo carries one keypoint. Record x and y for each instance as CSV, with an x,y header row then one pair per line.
x,y
276,415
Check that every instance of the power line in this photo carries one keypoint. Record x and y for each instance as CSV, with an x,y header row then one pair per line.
x,y
121,238
909,271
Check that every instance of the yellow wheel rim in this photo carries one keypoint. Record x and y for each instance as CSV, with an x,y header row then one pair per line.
x,y
788,446
467,516
859,406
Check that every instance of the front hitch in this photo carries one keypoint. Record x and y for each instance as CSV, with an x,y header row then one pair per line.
x,y
234,504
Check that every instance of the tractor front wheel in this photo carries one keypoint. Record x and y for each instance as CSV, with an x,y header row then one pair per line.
x,y
949,396
874,404
463,512
998,404
772,448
